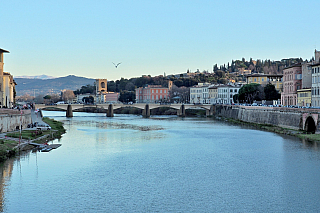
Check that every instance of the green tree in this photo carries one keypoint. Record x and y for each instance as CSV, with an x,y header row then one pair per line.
x,y
220,74
271,93
236,98
112,87
88,100
250,92
91,89
47,97
127,96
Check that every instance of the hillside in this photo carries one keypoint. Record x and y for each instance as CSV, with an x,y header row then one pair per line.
x,y
49,86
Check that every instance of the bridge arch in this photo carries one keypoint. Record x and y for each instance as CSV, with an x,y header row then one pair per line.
x,y
310,125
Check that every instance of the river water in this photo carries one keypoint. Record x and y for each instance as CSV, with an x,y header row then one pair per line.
x,y
163,164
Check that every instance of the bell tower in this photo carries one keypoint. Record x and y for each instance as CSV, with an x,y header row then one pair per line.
x,y
101,86
170,84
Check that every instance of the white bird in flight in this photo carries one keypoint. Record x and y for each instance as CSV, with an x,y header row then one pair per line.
x,y
116,66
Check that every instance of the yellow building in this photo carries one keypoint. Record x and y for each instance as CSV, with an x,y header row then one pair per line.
x,y
7,85
263,79
304,97
213,94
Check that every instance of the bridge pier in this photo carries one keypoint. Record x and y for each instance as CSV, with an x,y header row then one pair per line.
x,y
146,111
69,113
209,112
110,111
182,111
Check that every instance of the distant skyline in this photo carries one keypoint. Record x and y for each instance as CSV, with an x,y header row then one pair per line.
x,y
84,38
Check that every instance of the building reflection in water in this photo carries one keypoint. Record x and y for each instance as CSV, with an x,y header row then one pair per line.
x,y
312,144
5,175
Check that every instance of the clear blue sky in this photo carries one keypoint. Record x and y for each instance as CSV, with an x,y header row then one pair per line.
x,y
83,38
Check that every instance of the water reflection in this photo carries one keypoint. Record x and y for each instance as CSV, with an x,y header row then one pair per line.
x,y
6,172
164,164
310,144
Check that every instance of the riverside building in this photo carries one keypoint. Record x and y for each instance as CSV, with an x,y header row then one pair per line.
x,y
226,93
102,94
152,94
199,94
292,81
7,84
315,89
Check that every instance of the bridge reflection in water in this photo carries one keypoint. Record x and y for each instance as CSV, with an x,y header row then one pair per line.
x,y
181,108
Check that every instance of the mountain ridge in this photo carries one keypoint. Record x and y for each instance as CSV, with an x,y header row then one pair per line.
x,y
36,86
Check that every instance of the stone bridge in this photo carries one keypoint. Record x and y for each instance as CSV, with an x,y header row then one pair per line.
x,y
181,108
293,118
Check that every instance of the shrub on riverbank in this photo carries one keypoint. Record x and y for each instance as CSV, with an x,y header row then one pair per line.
x,y
55,125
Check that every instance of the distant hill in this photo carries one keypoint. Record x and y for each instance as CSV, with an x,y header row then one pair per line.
x,y
50,86
37,77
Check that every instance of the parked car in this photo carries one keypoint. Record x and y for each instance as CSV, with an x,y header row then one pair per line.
x,y
43,127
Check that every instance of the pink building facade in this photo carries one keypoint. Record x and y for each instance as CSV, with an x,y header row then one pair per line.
x,y
292,81
152,94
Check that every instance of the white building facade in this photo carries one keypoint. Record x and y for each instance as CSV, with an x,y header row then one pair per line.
x,y
226,93
199,94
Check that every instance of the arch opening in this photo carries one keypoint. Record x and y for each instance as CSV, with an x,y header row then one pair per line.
x,y
310,125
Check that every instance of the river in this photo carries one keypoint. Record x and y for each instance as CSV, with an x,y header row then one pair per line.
x,y
163,164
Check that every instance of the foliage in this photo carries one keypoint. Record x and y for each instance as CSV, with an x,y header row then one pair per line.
x,y
47,97
3,152
181,94
55,125
127,96
88,100
91,89
271,93
250,92
27,134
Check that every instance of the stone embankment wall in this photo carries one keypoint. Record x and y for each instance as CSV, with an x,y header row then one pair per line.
x,y
262,115
11,119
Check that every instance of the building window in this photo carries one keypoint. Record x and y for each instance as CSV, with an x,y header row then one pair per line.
x,y
161,91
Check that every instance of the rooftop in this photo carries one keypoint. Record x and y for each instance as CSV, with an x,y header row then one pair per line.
x,y
4,51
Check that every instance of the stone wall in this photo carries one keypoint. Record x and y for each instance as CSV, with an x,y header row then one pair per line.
x,y
282,118
10,121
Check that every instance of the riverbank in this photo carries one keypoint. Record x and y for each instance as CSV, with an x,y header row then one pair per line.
x,y
276,129
10,143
